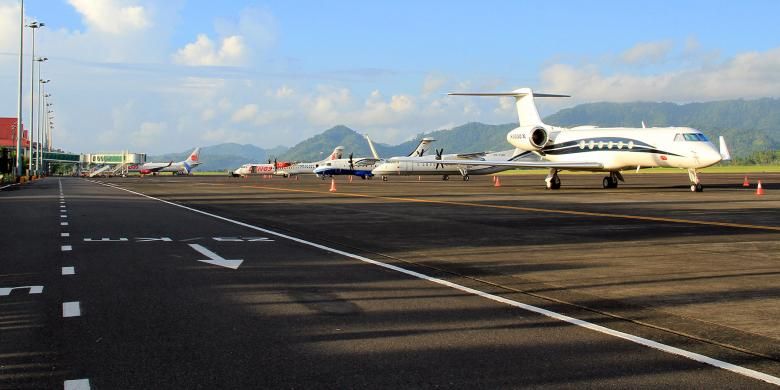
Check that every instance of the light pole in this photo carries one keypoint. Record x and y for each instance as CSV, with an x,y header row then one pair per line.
x,y
33,26
39,150
19,168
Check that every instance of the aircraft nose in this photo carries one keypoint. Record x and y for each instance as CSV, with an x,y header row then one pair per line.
x,y
710,157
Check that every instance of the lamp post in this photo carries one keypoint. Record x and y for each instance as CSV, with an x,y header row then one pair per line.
x,y
39,149
33,26
48,121
19,168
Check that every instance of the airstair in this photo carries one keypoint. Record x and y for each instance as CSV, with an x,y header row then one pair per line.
x,y
100,170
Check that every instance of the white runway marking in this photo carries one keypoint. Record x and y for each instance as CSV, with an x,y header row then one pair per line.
x,y
77,384
68,270
64,234
62,206
5,291
71,309
63,216
63,224
66,248
551,314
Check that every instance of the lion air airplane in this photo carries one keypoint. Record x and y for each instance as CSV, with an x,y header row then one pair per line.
x,y
590,148
177,168
308,167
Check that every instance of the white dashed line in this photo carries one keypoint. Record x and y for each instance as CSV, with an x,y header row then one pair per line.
x,y
547,313
62,206
63,224
66,248
63,216
64,234
71,309
68,270
77,384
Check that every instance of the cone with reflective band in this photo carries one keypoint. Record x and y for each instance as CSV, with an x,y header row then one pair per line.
x,y
332,185
759,190
498,182
746,183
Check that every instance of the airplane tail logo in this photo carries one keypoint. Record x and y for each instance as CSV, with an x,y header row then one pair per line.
x,y
338,153
194,157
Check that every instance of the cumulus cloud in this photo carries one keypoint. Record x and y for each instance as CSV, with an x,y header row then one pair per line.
x,y
245,113
747,75
432,83
111,16
204,52
647,52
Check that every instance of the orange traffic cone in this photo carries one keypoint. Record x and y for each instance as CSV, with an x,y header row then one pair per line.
x,y
498,182
296,177
746,183
494,178
332,185
759,190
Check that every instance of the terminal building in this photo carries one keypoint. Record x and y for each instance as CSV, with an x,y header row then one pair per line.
x,y
109,163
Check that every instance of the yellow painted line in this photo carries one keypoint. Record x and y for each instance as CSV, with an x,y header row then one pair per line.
x,y
531,209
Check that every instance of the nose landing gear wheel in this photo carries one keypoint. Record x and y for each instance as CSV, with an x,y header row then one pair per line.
x,y
697,188
554,184
609,182
445,177
384,178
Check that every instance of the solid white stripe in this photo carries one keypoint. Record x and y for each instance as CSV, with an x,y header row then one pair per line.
x,y
76,384
598,328
66,248
63,224
68,270
71,309
64,234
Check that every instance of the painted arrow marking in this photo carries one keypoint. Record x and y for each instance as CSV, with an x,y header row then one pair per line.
x,y
216,259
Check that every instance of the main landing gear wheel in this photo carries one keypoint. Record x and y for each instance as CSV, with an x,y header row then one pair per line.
x,y
697,188
554,184
465,177
445,177
384,178
609,182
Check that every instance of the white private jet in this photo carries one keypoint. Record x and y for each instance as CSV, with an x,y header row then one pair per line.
x,y
590,148
430,165
177,168
363,166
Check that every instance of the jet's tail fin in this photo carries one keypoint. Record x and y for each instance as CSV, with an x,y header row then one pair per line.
x,y
338,152
421,148
194,158
371,146
527,114
724,149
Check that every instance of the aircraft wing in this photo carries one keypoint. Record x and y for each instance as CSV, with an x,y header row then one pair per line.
x,y
366,161
515,164
471,156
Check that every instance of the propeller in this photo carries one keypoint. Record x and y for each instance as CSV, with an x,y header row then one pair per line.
x,y
438,157
351,163
269,160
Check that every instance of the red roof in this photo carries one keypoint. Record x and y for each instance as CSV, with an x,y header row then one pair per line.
x,y
8,133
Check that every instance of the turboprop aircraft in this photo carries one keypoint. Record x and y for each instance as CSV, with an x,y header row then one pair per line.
x,y
363,166
261,169
177,168
591,148
300,168
430,165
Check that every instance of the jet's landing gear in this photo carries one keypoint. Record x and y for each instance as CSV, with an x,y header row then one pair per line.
x,y
611,181
552,180
445,177
384,178
695,183
464,173
465,177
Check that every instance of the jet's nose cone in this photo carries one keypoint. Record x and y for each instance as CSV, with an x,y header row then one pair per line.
x,y
710,157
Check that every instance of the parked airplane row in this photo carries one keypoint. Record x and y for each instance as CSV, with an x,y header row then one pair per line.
x,y
537,145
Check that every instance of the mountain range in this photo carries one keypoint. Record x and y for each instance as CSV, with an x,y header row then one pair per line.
x,y
749,126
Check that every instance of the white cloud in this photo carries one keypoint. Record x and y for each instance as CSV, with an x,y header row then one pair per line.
x,y
203,52
282,92
432,83
747,75
647,52
111,16
245,113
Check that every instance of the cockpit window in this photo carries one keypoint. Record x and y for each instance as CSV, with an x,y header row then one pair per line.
x,y
702,137
678,138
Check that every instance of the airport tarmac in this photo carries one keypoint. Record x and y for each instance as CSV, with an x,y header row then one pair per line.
x,y
387,284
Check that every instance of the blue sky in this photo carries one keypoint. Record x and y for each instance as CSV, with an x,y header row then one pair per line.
x,y
156,76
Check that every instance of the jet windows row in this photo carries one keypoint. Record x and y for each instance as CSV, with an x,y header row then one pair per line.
x,y
690,137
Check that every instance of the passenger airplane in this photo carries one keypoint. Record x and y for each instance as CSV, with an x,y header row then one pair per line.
x,y
177,168
261,169
363,166
308,167
590,148
429,165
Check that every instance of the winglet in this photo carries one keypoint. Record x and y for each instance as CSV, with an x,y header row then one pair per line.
x,y
724,149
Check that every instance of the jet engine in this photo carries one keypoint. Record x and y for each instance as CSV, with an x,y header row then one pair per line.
x,y
529,138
